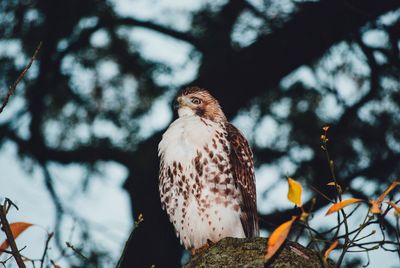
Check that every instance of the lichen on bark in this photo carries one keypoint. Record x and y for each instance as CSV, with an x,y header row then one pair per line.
x,y
249,252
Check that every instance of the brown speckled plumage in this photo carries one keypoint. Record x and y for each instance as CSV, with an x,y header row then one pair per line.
x,y
206,174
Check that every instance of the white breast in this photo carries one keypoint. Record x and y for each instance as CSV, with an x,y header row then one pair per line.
x,y
184,136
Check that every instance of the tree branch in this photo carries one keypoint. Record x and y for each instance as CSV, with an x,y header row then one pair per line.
x,y
183,36
82,154
46,247
305,37
10,238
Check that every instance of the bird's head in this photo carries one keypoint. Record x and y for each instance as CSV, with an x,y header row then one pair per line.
x,y
198,101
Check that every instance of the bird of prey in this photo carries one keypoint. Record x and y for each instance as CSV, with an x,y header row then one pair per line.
x,y
206,179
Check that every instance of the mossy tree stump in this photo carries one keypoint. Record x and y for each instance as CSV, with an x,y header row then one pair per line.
x,y
249,252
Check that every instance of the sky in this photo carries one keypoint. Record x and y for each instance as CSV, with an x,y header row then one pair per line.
x,y
105,205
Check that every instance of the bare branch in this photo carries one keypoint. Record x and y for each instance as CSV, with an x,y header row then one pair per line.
x,y
12,88
49,236
79,253
10,238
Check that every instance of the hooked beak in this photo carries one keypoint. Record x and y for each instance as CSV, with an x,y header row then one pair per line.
x,y
180,102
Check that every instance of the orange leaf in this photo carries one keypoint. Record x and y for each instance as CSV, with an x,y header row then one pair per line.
x,y
387,191
294,193
338,206
393,205
375,207
277,238
376,204
332,247
16,229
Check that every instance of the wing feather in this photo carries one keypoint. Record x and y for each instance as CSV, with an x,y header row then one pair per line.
x,y
241,158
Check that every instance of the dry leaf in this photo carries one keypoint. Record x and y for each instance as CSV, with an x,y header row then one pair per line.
x,y
387,191
294,193
328,251
375,207
393,205
277,238
338,206
16,229
375,204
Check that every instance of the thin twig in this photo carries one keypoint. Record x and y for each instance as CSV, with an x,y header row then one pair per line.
x,y
338,197
136,224
10,252
398,236
5,261
321,193
380,242
8,204
340,224
348,243
5,251
124,251
77,252
50,235
10,238
368,260
12,88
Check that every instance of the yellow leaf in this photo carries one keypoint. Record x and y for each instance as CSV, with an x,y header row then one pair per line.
x,y
277,238
387,191
16,229
328,251
294,193
338,206
393,205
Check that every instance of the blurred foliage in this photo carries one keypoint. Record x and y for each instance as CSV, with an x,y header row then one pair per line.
x,y
285,67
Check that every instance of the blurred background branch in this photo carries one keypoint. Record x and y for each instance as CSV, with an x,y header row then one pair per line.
x,y
101,90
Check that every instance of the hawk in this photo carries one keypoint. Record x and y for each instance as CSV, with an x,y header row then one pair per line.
x,y
206,179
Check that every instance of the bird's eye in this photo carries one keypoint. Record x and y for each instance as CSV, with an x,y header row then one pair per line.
x,y
195,100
